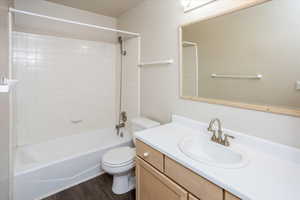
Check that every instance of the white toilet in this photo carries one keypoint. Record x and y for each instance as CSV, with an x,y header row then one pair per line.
x,y
119,162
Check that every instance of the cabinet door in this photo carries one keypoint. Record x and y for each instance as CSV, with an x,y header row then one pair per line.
x,y
195,184
153,185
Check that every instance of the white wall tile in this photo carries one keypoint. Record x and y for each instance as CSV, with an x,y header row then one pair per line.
x,y
62,80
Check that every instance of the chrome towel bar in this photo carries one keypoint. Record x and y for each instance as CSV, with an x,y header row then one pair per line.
x,y
159,62
257,76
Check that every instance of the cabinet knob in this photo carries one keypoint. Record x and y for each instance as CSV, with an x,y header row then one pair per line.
x,y
146,154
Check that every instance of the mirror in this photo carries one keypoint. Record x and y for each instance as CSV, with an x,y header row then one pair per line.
x,y
248,58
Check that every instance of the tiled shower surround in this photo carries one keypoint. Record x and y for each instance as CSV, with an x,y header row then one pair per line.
x,y
66,86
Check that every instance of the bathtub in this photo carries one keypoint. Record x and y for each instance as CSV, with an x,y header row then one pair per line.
x,y
50,167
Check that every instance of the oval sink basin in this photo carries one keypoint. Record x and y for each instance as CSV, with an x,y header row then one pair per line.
x,y
203,150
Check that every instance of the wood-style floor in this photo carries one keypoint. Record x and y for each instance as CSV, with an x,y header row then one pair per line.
x,y
96,189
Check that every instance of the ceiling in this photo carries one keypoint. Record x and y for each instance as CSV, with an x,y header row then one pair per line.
x,y
112,8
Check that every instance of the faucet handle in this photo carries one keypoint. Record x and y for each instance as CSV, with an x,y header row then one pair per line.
x,y
214,137
226,141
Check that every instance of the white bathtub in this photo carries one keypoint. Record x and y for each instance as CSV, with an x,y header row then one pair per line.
x,y
47,168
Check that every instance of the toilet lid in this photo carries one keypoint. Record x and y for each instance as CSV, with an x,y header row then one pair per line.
x,y
119,156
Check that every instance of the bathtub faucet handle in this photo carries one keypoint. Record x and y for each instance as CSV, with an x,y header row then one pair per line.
x,y
124,116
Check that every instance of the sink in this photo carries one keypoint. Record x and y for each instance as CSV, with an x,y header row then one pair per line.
x,y
201,149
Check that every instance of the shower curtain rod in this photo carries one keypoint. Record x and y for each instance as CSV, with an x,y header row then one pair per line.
x,y
73,22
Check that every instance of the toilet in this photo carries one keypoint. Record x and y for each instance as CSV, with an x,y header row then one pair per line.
x,y
119,162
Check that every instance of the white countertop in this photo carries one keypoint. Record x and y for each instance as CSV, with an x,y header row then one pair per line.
x,y
272,174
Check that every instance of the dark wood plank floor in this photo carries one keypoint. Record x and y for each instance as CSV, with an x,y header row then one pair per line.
x,y
96,189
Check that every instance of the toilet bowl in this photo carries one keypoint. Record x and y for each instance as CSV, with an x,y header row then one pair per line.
x,y
119,162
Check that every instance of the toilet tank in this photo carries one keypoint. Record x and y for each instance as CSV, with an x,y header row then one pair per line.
x,y
142,123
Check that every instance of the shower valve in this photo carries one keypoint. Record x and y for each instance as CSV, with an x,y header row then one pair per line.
x,y
124,116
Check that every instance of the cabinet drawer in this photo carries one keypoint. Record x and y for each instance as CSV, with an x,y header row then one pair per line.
x,y
229,196
150,155
198,186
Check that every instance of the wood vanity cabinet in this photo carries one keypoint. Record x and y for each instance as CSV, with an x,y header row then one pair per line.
x,y
153,185
160,178
191,197
150,155
198,186
229,196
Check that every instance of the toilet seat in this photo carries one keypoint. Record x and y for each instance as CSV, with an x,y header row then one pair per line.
x,y
119,157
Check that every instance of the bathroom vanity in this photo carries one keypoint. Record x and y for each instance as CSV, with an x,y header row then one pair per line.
x,y
165,172
160,177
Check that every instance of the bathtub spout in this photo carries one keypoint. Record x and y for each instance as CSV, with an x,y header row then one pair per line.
x,y
119,126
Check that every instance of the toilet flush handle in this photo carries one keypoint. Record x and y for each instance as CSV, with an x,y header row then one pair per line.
x,y
146,154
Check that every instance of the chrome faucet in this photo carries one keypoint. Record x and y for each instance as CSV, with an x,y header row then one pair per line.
x,y
215,138
122,123
219,138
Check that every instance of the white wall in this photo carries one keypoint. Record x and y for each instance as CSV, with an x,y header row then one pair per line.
x,y
30,24
158,23
4,105
189,71
62,80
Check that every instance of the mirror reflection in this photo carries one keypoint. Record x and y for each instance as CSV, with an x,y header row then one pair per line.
x,y
249,56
